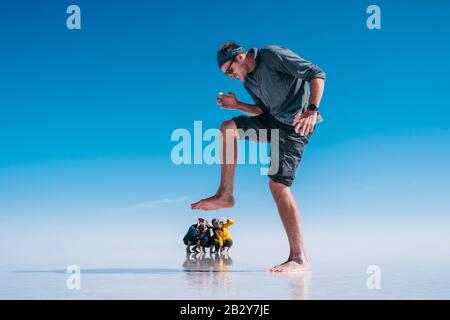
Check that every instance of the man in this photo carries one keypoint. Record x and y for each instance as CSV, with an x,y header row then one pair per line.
x,y
276,78
223,237
204,239
192,235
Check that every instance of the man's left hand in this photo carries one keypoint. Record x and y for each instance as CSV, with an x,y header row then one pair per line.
x,y
304,123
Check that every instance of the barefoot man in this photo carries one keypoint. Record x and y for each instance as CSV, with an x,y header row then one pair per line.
x,y
277,79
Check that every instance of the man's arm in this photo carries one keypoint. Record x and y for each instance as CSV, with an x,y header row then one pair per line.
x,y
304,123
287,61
229,223
316,87
230,102
250,109
192,231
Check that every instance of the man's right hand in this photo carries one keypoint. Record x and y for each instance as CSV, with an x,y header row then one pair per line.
x,y
227,101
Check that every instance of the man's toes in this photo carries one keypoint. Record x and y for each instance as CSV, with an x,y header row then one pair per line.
x,y
273,269
196,205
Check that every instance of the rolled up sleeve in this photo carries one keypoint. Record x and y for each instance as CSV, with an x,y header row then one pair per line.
x,y
287,61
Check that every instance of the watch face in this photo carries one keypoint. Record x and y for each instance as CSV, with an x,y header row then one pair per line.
x,y
312,107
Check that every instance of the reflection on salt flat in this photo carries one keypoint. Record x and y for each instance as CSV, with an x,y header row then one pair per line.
x,y
226,278
205,263
215,272
199,277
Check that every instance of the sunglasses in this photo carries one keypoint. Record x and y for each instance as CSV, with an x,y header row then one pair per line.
x,y
229,70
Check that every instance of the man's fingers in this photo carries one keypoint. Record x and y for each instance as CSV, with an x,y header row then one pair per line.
x,y
308,129
300,126
298,119
311,128
302,131
297,128
303,128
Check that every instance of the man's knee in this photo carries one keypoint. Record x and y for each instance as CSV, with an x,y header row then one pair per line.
x,y
228,243
276,187
229,127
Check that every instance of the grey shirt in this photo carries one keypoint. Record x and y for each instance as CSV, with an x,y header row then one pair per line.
x,y
278,82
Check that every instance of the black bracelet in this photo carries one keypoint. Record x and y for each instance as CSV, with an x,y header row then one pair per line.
x,y
312,107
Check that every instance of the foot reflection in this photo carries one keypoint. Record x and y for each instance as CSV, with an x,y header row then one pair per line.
x,y
214,275
298,281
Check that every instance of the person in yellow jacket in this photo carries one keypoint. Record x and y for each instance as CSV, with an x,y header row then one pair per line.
x,y
222,235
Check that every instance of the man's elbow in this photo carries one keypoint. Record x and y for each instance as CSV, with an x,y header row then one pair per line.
x,y
317,73
257,110
318,80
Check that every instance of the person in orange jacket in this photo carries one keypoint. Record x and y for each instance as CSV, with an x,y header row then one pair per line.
x,y
223,237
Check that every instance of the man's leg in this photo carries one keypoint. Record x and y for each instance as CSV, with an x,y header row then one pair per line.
x,y
211,246
228,153
228,244
289,214
188,247
217,245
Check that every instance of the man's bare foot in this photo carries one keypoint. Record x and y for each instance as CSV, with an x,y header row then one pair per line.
x,y
291,266
214,203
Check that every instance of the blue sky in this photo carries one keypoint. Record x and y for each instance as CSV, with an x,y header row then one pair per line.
x,y
86,116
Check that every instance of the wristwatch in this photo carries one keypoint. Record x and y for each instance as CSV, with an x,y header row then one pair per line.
x,y
312,107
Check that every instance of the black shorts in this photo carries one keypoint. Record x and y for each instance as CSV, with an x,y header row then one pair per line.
x,y
291,144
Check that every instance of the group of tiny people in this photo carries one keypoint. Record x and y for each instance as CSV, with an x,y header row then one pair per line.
x,y
214,235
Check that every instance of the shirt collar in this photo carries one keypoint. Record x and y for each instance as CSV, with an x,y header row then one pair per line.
x,y
257,57
255,52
